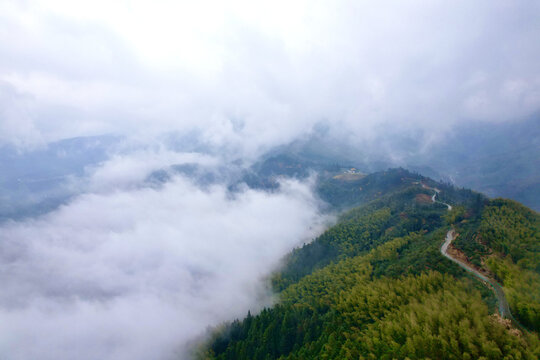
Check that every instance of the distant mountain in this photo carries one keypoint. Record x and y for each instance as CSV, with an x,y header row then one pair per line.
x,y
34,182
376,286
498,159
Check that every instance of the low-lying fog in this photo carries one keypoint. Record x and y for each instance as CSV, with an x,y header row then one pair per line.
x,y
127,271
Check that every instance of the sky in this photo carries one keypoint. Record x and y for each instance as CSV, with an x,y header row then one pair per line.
x,y
125,270
252,75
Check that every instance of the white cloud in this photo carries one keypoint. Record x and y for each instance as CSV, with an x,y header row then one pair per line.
x,y
141,68
137,273
17,119
125,170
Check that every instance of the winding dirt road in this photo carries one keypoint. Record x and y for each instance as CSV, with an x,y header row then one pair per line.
x,y
440,202
504,309
434,197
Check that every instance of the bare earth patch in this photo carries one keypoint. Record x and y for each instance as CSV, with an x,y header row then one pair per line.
x,y
349,177
423,199
507,323
458,254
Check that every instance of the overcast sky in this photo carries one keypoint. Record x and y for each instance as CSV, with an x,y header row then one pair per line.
x,y
256,74
130,271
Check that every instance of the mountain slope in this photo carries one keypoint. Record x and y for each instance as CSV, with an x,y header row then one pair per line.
x,y
498,159
505,243
375,286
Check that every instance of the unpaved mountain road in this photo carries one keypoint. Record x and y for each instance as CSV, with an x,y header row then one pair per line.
x,y
434,197
504,309
440,202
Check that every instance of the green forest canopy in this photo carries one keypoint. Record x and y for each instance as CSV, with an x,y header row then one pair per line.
x,y
375,286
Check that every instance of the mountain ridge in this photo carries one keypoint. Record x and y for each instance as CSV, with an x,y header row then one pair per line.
x,y
387,250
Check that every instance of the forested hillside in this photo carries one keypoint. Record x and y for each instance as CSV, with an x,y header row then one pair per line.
x,y
505,241
375,285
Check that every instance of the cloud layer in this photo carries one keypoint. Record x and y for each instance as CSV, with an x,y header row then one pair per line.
x,y
254,75
136,273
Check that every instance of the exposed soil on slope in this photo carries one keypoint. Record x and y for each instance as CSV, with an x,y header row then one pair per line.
x,y
423,199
